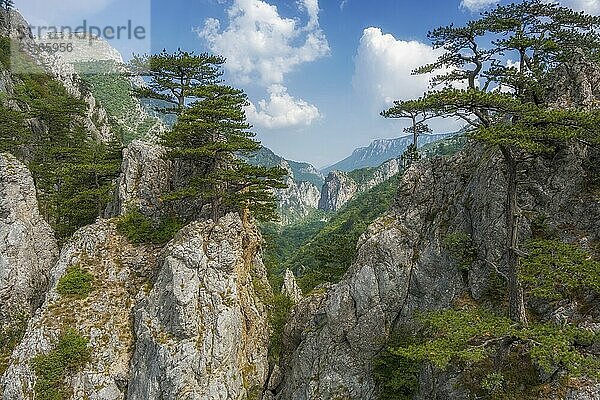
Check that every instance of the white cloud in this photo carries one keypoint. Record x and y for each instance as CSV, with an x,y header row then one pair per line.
x,y
589,6
384,65
477,5
343,4
260,45
282,110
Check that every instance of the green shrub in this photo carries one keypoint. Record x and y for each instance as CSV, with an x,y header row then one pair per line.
x,y
69,355
469,337
461,248
5,52
140,229
11,333
76,282
279,310
396,376
554,270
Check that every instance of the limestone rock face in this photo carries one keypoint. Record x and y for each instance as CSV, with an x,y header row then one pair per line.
x,y
299,198
290,287
337,190
145,177
28,249
339,187
102,316
201,333
403,266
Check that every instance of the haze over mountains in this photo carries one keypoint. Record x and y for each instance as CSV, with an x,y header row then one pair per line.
x,y
380,151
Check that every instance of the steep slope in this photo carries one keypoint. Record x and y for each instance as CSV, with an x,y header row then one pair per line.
x,y
402,266
137,321
340,186
28,250
379,151
304,182
201,332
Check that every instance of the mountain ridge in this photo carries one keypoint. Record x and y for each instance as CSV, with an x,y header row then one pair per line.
x,y
379,151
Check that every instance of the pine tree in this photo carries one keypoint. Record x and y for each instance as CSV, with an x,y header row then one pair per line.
x,y
418,127
175,80
213,133
518,120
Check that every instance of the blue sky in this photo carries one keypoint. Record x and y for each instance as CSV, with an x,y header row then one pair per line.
x,y
316,71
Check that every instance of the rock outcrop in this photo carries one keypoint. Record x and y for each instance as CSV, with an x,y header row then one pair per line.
x,y
402,265
297,200
338,189
103,315
290,287
28,249
145,177
201,333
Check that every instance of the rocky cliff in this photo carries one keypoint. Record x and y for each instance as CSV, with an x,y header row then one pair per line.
x,y
403,266
183,321
340,187
303,181
28,250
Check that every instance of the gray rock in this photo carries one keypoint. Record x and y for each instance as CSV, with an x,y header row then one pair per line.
x,y
202,332
403,266
28,249
120,271
290,287
145,177
338,189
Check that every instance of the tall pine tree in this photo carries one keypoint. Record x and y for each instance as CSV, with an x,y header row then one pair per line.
x,y
211,134
519,120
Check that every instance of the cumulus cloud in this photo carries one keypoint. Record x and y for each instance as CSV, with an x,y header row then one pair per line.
x,y
383,67
589,6
282,110
477,5
261,47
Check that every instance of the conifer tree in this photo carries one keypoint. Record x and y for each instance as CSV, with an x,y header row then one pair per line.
x,y
519,119
213,132
210,135
175,80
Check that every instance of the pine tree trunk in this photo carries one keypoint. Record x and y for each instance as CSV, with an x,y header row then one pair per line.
x,y
516,297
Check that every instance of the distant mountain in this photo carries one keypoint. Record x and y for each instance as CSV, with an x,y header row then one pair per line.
x,y
304,182
302,172
380,151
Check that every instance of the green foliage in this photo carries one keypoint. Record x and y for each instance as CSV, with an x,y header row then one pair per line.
x,y
11,333
331,251
461,248
554,270
140,229
176,79
5,52
396,376
468,336
114,91
74,174
279,310
281,242
70,354
76,282
362,175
